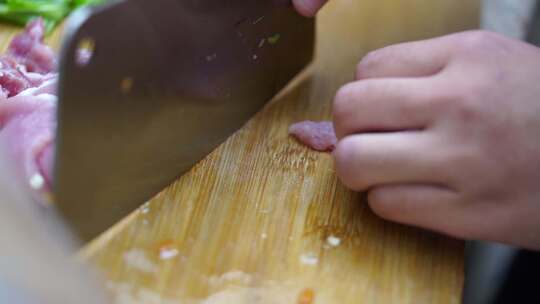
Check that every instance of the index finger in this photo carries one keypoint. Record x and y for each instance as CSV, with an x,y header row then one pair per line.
x,y
385,105
411,59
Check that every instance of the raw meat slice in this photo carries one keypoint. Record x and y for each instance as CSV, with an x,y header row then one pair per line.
x,y
27,126
12,79
319,136
45,163
29,50
28,62
28,108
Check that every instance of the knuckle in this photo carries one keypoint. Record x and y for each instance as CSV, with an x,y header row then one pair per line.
x,y
343,155
381,205
343,96
463,106
479,40
370,62
457,162
444,101
342,100
347,160
468,107
466,111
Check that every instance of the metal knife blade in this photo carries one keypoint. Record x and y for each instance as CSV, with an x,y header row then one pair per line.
x,y
167,82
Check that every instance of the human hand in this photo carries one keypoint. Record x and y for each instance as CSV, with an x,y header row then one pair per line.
x,y
308,8
444,134
37,263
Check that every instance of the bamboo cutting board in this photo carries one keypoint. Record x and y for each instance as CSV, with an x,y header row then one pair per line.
x,y
264,220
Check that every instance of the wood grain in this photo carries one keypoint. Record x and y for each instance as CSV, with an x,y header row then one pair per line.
x,y
250,223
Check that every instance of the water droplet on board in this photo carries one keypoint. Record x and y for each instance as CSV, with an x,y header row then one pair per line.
x,y
145,208
167,250
333,241
168,253
309,259
137,259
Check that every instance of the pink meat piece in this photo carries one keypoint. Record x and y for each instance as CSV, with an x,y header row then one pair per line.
x,y
319,136
27,129
12,79
45,162
28,108
44,84
29,50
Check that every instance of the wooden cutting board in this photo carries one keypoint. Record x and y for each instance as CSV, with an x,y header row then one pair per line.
x,y
264,220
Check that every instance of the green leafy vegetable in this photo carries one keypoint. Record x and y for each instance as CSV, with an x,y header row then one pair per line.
x,y
20,12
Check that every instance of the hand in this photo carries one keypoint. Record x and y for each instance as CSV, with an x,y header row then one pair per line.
x,y
444,134
37,264
308,8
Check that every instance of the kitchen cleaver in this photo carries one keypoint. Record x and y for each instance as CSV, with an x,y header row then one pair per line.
x,y
166,83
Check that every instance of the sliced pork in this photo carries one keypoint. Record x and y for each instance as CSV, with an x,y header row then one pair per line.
x,y
12,78
28,106
319,136
29,50
28,125
28,61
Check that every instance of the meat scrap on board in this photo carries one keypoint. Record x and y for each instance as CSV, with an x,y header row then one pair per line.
x,y
319,136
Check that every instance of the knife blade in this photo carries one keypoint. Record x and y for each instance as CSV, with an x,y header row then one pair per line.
x,y
166,83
